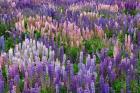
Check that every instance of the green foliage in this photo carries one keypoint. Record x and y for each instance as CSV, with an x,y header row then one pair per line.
x,y
118,85
9,43
72,52
109,34
121,37
132,12
75,68
61,9
25,23
58,39
43,90
3,28
138,65
4,72
134,86
21,84
63,90
93,45
47,90
110,51
37,34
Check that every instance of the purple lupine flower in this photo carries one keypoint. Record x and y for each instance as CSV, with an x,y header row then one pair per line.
x,y
61,54
11,83
57,74
16,79
101,81
106,88
35,90
51,72
113,75
39,68
74,84
1,86
93,66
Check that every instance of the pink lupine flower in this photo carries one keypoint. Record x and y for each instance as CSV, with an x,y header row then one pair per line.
x,y
116,49
128,43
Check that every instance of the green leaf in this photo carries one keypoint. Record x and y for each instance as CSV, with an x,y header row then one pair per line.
x,y
21,84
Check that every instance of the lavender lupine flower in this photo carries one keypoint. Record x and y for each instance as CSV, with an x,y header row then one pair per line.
x,y
79,90
88,62
16,79
2,43
35,90
92,87
87,90
81,57
106,88
57,88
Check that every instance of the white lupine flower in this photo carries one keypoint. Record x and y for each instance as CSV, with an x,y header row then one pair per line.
x,y
33,48
29,60
25,53
38,45
34,43
44,58
93,62
64,58
27,41
57,65
81,57
17,54
10,53
63,70
95,74
35,58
